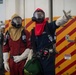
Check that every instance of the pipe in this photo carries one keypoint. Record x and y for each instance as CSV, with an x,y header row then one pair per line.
x,y
51,9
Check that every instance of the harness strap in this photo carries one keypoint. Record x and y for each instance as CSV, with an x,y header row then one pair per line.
x,y
53,40
23,37
33,41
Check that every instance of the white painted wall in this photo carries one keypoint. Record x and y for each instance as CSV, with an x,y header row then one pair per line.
x,y
2,11
71,5
60,5
31,5
26,8
20,8
14,7
10,8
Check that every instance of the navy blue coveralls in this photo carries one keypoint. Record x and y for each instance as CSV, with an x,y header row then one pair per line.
x,y
42,41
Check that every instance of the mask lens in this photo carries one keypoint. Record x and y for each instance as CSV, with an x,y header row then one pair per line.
x,y
17,20
39,15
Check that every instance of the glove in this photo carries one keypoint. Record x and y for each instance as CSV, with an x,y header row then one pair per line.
x,y
5,58
24,55
29,55
62,20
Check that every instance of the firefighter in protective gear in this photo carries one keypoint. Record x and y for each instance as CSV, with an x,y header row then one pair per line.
x,y
2,31
43,38
16,47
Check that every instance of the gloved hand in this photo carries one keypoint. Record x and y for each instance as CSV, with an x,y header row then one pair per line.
x,y
67,14
62,20
6,66
24,55
5,58
29,55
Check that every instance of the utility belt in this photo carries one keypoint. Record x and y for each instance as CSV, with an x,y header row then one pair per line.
x,y
46,53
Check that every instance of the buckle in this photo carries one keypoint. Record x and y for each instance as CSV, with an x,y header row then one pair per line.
x,y
51,50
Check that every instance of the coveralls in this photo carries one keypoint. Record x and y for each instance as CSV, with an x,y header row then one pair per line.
x,y
42,41
16,48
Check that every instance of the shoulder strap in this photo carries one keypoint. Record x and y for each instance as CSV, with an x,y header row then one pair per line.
x,y
47,29
1,38
49,34
33,40
6,37
23,37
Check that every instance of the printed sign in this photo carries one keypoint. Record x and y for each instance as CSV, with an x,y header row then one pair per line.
x,y
67,56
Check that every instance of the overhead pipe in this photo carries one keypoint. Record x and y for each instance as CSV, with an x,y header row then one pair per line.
x,y
51,9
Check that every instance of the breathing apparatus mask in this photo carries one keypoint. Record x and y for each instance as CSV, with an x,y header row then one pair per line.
x,y
16,22
38,16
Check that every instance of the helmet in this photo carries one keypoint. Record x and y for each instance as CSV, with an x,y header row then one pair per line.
x,y
38,15
16,21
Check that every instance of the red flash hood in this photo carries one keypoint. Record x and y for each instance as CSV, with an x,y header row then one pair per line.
x,y
39,9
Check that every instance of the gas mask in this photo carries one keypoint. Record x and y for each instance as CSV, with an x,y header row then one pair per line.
x,y
16,22
38,16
